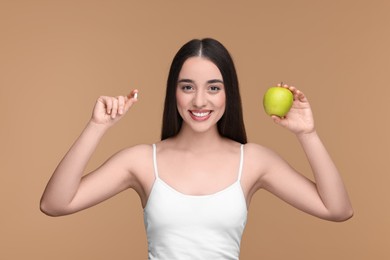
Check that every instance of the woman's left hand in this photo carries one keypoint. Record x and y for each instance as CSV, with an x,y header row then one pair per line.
x,y
299,119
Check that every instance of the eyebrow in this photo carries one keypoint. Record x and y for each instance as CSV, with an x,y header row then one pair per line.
x,y
209,81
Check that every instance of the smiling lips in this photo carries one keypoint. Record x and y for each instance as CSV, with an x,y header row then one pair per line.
x,y
200,115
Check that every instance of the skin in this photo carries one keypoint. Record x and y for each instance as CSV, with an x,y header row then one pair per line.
x,y
198,160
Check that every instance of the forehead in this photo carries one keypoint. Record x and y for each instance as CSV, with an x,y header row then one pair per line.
x,y
199,69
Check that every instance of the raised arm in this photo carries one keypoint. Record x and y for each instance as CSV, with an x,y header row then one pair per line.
x,y
67,190
326,197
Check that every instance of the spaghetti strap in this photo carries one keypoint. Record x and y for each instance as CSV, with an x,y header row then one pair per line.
x,y
241,162
155,161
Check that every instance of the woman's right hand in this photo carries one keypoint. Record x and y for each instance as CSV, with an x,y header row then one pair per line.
x,y
109,110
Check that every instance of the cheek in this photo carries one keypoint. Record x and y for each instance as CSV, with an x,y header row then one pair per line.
x,y
181,103
221,102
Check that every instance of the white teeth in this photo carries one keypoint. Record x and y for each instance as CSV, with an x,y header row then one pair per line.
x,y
200,114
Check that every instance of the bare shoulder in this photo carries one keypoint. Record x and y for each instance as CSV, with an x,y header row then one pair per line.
x,y
258,160
137,150
262,163
136,164
137,156
258,154
135,160
138,161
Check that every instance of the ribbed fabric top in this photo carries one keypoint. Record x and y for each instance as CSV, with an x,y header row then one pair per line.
x,y
180,226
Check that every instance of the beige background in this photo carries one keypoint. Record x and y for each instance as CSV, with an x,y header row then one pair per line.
x,y
57,57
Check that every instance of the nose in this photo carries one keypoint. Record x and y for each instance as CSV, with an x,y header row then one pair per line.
x,y
200,99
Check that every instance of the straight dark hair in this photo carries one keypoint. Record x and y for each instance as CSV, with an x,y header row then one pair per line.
x,y
231,125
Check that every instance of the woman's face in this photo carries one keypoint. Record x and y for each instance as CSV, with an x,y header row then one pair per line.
x,y
200,94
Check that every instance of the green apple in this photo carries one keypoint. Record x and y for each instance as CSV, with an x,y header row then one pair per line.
x,y
277,101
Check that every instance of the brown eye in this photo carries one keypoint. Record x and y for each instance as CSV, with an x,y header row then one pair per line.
x,y
214,88
187,88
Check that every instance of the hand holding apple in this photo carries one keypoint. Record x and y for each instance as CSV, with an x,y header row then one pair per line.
x,y
298,117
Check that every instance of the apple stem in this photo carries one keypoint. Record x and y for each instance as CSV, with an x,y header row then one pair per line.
x,y
281,84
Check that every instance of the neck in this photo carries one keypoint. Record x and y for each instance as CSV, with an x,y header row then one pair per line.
x,y
198,141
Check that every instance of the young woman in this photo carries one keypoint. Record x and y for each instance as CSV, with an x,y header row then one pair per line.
x,y
196,184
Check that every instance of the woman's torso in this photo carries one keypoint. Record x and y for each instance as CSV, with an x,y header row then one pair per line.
x,y
202,223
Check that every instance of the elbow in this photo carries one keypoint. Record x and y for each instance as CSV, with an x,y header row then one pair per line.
x,y
342,216
348,215
51,210
48,210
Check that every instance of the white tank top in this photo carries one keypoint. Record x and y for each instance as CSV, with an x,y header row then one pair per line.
x,y
180,226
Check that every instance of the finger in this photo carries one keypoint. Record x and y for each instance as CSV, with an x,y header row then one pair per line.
x,y
133,94
131,99
121,104
114,110
299,95
278,120
292,88
108,103
295,92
